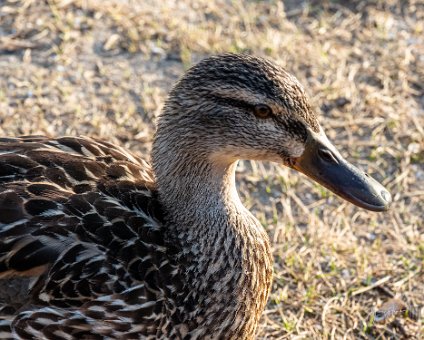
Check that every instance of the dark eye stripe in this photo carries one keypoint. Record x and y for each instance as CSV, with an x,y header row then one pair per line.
x,y
290,124
243,105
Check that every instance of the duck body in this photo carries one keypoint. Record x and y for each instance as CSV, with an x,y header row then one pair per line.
x,y
83,238
96,243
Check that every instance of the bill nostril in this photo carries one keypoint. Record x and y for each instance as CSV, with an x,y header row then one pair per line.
x,y
327,156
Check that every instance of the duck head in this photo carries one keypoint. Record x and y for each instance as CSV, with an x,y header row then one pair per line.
x,y
233,107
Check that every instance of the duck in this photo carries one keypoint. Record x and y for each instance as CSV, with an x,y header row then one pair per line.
x,y
97,242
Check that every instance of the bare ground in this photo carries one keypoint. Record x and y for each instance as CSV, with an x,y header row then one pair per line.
x,y
103,68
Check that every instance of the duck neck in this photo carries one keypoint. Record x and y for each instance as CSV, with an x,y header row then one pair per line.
x,y
223,250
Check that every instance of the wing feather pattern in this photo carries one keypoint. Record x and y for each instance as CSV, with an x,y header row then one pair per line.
x,y
80,236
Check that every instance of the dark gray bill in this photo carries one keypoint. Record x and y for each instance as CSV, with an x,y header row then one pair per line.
x,y
324,164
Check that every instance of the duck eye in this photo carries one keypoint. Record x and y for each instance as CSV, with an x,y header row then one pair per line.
x,y
262,111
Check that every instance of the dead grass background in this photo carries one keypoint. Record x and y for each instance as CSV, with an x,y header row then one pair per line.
x,y
103,68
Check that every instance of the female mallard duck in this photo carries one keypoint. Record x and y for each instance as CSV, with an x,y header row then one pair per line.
x,y
96,244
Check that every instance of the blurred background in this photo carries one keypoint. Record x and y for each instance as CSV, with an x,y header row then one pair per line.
x,y
103,67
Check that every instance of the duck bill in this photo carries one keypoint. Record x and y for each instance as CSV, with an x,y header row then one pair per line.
x,y
324,164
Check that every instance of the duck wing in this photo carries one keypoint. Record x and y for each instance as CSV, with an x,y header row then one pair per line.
x,y
79,220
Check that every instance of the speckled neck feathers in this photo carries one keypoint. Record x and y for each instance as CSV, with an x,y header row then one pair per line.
x,y
224,250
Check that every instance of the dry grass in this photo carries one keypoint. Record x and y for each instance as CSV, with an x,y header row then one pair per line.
x,y
103,68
